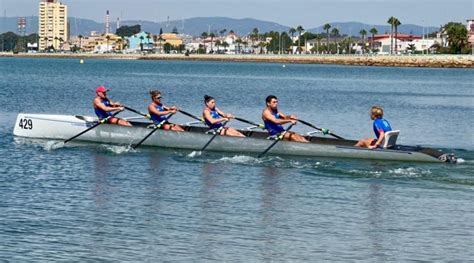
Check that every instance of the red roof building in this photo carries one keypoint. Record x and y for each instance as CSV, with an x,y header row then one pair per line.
x,y
399,36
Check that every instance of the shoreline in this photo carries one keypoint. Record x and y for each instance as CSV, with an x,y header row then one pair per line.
x,y
428,61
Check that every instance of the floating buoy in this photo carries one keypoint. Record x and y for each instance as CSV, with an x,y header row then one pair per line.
x,y
81,61
284,66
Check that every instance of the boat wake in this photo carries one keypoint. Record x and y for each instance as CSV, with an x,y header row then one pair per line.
x,y
268,161
45,145
52,145
118,149
408,172
194,154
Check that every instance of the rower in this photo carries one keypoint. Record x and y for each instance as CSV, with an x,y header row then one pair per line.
x,y
274,120
380,126
158,112
104,107
215,118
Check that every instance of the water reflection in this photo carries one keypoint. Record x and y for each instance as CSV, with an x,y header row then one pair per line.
x,y
270,189
101,172
375,208
209,202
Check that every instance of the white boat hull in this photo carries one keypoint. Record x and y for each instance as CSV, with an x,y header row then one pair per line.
x,y
62,127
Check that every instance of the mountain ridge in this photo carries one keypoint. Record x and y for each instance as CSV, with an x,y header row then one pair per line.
x,y
197,25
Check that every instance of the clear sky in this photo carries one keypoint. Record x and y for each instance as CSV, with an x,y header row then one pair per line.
x,y
308,13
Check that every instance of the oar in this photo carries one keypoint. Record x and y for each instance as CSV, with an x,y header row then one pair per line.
x,y
137,112
93,126
190,115
324,130
261,126
279,138
150,133
218,131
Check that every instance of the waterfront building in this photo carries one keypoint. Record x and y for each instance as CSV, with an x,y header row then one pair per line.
x,y
140,41
470,32
173,39
53,24
405,42
98,43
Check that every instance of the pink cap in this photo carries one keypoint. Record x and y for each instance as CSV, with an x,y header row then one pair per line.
x,y
101,89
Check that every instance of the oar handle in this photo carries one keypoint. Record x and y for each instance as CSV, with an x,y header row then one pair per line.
x,y
321,129
261,126
278,138
137,112
158,126
214,136
90,128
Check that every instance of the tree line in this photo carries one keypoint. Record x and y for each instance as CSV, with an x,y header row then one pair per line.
x,y
281,42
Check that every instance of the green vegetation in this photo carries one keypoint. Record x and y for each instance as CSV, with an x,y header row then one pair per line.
x,y
10,41
457,38
127,31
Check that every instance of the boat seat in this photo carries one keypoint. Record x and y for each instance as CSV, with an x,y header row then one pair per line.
x,y
390,139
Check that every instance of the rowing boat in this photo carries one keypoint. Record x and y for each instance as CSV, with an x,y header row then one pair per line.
x,y
61,127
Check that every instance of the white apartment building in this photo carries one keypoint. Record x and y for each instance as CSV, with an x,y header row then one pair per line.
x,y
53,24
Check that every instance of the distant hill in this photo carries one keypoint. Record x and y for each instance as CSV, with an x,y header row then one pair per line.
x,y
353,28
195,26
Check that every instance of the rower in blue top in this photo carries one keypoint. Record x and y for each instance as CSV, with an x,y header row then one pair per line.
x,y
215,118
274,120
380,126
158,112
104,107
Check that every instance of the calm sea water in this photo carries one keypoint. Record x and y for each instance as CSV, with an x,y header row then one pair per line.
x,y
101,202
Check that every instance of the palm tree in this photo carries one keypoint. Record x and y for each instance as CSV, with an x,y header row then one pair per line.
x,y
391,21
254,36
299,29
373,31
218,43
292,31
80,41
141,43
55,42
363,32
107,39
46,40
396,24
212,35
225,44
349,45
204,36
335,33
327,27
61,41
245,43
148,37
238,41
119,42
319,37
222,32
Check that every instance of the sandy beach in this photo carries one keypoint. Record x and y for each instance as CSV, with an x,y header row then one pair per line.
x,y
434,61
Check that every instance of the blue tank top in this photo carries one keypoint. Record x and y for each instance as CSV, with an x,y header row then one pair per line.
x,y
102,114
273,128
156,118
381,124
214,115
